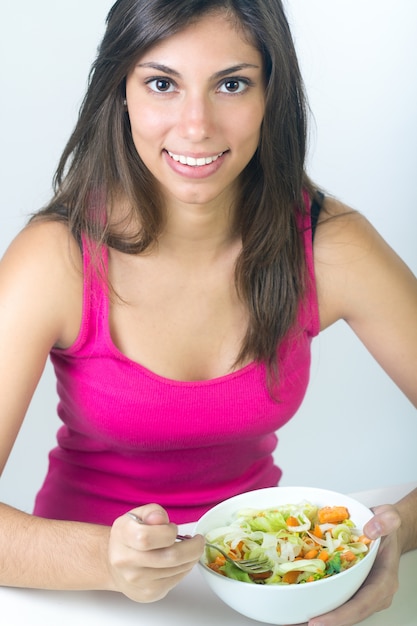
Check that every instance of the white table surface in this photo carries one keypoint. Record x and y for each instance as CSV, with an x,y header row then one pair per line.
x,y
189,604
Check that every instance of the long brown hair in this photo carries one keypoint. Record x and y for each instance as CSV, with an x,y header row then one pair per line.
x,y
100,162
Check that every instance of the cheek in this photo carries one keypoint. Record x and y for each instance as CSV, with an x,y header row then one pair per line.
x,y
257,118
148,125
248,130
248,125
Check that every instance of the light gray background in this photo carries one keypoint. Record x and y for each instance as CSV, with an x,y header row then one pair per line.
x,y
355,430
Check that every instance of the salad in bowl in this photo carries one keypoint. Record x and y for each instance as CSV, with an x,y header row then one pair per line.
x,y
300,542
312,540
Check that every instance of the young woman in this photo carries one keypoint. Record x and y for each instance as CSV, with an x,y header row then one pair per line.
x,y
193,263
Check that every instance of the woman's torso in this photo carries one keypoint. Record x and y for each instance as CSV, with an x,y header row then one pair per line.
x,y
187,436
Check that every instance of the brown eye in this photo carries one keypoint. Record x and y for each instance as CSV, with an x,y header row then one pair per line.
x,y
160,85
234,85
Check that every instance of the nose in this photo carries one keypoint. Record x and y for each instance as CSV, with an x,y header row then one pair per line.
x,y
196,120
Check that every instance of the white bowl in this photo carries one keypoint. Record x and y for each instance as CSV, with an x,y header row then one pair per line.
x,y
286,604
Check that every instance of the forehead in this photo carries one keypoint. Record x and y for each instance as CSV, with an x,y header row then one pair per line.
x,y
212,37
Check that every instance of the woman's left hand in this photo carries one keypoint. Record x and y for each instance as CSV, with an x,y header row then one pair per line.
x,y
381,585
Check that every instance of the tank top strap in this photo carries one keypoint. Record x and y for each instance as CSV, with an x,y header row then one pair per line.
x,y
95,299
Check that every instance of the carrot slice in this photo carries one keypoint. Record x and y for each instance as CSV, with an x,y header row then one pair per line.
x,y
333,514
291,577
317,532
292,521
216,567
311,554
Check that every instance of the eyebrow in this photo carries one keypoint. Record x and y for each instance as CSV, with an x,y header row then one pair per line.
x,y
221,74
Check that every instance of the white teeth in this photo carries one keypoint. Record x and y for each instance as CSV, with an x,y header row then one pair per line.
x,y
191,161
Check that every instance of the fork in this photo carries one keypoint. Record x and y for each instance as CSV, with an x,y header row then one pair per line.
x,y
250,566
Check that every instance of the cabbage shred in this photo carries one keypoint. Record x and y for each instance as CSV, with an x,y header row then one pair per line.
x,y
265,533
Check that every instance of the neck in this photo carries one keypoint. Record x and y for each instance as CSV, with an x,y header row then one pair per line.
x,y
198,232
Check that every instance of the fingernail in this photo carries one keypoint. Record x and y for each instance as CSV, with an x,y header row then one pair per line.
x,y
374,530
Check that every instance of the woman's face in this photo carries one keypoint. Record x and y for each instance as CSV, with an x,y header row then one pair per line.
x,y
196,103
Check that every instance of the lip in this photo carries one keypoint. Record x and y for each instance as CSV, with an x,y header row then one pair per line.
x,y
195,171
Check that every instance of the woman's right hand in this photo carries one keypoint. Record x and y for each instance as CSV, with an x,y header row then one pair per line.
x,y
145,560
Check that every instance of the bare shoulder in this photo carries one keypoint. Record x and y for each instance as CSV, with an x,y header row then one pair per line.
x,y
342,232
45,250
43,268
354,265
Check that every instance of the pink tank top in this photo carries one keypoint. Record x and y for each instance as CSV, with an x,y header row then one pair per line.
x,y
130,437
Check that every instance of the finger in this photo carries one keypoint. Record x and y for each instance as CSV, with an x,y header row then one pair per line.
x,y
375,595
385,521
148,537
147,518
177,554
361,606
150,514
165,565
156,519
155,570
158,539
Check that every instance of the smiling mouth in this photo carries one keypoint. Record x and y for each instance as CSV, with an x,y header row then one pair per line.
x,y
194,161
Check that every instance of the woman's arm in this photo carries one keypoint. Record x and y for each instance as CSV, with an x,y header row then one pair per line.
x,y
41,302
40,295
361,280
144,562
40,306
47,554
407,510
